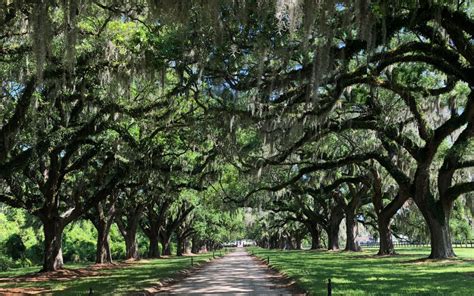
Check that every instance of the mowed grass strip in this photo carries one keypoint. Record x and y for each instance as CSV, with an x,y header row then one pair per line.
x,y
364,273
125,279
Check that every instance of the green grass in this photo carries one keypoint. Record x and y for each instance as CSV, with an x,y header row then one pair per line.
x,y
131,278
363,273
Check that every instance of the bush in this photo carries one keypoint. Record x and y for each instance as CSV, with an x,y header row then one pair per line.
x,y
5,263
79,251
35,253
14,246
117,243
24,262
79,242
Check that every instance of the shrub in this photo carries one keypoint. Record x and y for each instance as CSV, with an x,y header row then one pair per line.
x,y
24,262
35,253
5,263
79,242
14,246
79,251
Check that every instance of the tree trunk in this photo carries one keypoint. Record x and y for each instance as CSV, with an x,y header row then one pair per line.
x,y
103,254
289,244
273,243
131,247
109,252
281,243
167,248
351,244
437,218
153,250
298,243
386,212
333,232
386,244
333,239
102,217
129,234
165,244
315,237
195,245
186,246
128,228
53,256
179,246
152,229
441,246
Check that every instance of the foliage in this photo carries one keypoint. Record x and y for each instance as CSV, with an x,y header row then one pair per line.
x,y
15,248
5,263
125,123
79,242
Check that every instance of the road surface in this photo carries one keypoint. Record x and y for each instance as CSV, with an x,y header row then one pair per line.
x,y
236,273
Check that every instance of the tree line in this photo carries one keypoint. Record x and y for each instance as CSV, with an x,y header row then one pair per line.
x,y
114,112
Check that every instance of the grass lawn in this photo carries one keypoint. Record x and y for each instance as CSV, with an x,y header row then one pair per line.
x,y
126,279
363,273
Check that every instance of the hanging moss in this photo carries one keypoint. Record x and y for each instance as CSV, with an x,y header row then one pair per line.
x,y
40,24
71,9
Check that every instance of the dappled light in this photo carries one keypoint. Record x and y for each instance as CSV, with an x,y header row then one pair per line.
x,y
362,274
327,143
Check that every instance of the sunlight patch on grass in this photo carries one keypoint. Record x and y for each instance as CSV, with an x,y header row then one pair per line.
x,y
120,281
363,273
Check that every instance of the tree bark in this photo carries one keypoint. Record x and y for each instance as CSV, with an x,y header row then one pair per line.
x,y
129,233
195,245
187,246
386,243
385,213
333,229
350,209
351,244
333,239
153,224
182,241
281,243
165,244
102,221
273,243
53,256
153,250
179,246
103,254
172,224
288,242
441,246
131,247
438,224
298,243
435,212
315,236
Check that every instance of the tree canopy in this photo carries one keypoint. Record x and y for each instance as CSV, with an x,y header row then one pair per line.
x,y
176,121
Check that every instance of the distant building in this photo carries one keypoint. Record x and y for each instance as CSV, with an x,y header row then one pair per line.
x,y
364,239
240,243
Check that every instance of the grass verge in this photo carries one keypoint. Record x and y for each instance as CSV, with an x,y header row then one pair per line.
x,y
122,279
363,273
